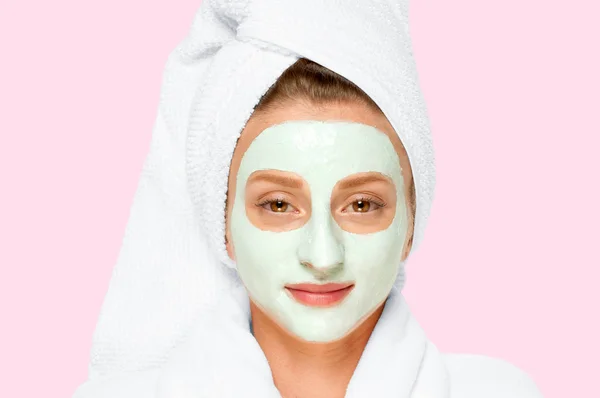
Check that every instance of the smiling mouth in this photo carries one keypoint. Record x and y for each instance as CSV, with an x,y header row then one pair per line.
x,y
314,295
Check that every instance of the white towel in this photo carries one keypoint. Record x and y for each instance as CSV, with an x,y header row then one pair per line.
x,y
174,322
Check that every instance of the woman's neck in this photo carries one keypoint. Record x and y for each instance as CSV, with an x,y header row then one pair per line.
x,y
302,369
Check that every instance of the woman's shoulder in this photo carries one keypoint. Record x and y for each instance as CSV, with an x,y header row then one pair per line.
x,y
476,376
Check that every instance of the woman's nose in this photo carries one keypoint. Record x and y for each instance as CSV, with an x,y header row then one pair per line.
x,y
321,252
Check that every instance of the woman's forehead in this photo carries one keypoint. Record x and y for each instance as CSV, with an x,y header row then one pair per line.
x,y
309,147
350,112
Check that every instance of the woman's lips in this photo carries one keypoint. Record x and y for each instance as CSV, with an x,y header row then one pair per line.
x,y
319,295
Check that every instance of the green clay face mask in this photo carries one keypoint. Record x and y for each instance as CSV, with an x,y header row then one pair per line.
x,y
319,249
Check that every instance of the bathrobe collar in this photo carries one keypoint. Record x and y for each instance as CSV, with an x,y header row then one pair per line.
x,y
221,358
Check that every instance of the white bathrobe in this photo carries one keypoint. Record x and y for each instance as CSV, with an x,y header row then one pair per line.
x,y
472,376
398,362
175,320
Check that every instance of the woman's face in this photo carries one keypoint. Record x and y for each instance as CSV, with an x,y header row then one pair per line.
x,y
317,215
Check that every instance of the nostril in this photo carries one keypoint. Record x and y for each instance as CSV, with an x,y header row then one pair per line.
x,y
323,271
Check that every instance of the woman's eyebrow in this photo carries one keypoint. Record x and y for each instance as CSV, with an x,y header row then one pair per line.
x,y
289,182
361,180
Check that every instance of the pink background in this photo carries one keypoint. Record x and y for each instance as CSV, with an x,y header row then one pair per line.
x,y
509,265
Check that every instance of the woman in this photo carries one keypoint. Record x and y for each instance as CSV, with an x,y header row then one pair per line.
x,y
290,176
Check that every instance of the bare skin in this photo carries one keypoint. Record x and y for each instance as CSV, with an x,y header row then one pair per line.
x,y
303,369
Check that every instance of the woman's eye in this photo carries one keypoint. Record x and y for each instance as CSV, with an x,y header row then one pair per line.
x,y
278,206
362,206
